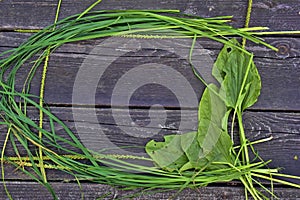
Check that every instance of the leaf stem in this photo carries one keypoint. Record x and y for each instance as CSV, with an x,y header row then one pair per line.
x,y
276,33
2,163
243,138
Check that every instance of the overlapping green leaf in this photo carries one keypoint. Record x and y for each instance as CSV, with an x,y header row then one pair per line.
x,y
240,87
236,72
168,155
196,150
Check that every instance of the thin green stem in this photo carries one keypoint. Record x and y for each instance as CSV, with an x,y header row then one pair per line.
x,y
243,138
276,180
2,163
248,188
276,33
88,9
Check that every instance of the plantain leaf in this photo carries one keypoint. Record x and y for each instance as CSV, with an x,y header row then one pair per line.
x,y
196,150
193,152
213,139
231,68
167,155
240,87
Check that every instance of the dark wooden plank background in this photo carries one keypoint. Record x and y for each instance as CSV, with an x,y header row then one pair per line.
x,y
277,113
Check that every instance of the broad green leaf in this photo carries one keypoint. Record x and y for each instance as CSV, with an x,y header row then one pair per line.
x,y
213,139
211,110
230,69
167,155
196,150
239,88
193,151
218,68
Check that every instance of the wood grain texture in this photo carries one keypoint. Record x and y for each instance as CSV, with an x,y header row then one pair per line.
x,y
118,129
276,113
280,72
276,14
70,191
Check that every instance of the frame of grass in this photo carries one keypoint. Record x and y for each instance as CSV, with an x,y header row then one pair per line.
x,y
91,25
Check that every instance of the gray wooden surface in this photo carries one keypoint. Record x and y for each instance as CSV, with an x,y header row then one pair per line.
x,y
277,113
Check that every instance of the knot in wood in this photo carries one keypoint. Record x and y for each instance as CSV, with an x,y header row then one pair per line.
x,y
283,50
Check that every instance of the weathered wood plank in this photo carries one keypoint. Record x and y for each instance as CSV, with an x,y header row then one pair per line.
x,y
119,130
280,73
288,46
31,190
276,14
280,76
